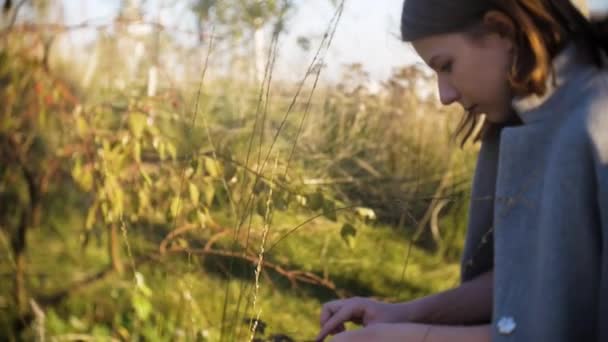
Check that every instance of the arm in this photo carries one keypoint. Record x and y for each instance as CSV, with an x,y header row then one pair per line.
x,y
478,333
411,332
469,303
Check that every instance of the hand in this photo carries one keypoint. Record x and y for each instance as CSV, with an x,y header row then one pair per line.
x,y
363,311
386,332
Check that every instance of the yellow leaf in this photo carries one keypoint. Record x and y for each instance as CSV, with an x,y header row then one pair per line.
x,y
194,193
137,152
212,167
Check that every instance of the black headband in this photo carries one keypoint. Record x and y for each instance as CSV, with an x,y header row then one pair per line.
x,y
423,18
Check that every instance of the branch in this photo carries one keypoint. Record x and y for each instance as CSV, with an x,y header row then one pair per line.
x,y
292,275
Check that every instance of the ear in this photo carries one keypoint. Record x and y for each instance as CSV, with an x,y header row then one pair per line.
x,y
500,23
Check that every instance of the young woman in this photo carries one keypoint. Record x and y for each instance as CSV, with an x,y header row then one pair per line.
x,y
535,266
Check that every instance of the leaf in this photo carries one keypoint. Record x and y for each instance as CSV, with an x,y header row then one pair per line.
x,y
141,284
172,150
194,193
348,234
212,167
181,242
229,171
263,207
142,306
260,186
137,122
329,210
279,200
146,176
301,200
82,126
83,176
174,208
209,192
143,201
194,164
315,200
137,151
366,213
202,218
106,212
91,216
162,154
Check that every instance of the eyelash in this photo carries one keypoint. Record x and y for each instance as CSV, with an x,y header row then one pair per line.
x,y
447,67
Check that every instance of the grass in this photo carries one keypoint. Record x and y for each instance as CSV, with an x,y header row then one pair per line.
x,y
348,134
186,293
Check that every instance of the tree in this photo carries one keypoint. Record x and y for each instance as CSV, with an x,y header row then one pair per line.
x,y
238,19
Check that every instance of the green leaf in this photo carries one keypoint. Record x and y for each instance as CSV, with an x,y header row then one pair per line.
x,y
315,200
263,207
260,186
229,171
279,200
142,306
146,176
348,233
137,122
140,281
329,210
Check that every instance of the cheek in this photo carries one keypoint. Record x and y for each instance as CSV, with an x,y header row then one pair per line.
x,y
495,74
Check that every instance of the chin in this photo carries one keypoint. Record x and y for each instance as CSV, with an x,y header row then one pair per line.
x,y
500,118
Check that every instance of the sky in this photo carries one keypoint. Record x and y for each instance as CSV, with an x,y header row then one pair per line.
x,y
367,34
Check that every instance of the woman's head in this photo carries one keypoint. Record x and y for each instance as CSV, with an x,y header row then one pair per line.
x,y
487,51
472,70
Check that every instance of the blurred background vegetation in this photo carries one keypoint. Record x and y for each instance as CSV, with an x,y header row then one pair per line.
x,y
156,190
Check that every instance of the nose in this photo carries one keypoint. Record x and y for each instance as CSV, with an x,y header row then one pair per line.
x,y
447,93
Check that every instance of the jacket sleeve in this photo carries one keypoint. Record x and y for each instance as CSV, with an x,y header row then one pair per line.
x,y
598,128
478,254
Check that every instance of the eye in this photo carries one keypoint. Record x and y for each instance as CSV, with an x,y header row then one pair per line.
x,y
446,67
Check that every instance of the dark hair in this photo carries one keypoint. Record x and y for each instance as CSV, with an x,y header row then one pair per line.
x,y
544,28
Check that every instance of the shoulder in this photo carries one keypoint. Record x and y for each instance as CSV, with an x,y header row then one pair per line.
x,y
595,115
596,111
588,112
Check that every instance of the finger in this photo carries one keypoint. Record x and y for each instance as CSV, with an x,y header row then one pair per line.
x,y
343,315
340,328
328,310
348,336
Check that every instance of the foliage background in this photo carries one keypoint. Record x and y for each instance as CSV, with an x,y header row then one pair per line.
x,y
223,204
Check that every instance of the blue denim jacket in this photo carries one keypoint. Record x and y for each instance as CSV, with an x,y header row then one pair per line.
x,y
543,189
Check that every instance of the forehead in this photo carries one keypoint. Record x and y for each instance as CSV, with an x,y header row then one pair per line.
x,y
440,45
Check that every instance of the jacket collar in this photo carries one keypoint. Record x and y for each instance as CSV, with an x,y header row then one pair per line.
x,y
567,66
